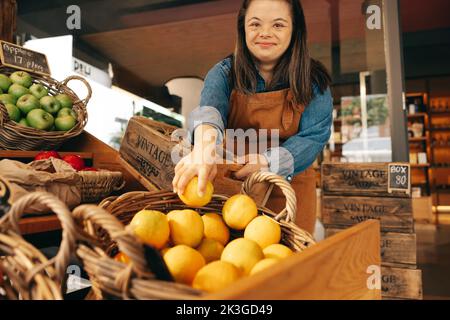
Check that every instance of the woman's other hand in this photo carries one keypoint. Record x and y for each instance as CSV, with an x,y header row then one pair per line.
x,y
253,163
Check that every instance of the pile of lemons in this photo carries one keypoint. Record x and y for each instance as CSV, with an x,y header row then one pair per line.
x,y
197,248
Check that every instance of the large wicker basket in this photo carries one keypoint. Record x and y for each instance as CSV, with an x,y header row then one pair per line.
x,y
17,137
27,273
111,278
96,185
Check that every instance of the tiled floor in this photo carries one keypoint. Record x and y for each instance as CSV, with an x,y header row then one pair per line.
x,y
433,256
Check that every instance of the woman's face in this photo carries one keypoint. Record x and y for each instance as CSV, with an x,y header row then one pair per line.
x,y
268,29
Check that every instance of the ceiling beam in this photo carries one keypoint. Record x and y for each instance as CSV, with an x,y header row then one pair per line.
x,y
181,13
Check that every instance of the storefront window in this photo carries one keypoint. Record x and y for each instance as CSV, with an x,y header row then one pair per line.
x,y
347,36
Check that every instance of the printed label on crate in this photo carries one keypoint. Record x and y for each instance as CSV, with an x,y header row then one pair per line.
x,y
395,214
401,283
15,56
399,178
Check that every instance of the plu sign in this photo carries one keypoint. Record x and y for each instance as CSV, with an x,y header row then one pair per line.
x,y
399,178
17,57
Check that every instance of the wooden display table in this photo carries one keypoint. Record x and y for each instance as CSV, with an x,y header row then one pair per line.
x,y
333,269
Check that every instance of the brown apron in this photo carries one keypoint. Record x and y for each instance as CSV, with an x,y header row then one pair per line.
x,y
276,110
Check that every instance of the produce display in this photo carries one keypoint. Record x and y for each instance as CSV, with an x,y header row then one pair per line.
x,y
74,160
32,105
210,251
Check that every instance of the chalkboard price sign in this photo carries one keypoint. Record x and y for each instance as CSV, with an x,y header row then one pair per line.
x,y
15,56
399,177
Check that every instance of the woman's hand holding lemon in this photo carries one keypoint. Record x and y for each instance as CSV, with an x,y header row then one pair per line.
x,y
201,162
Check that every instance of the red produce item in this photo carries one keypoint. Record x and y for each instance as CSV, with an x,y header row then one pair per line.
x,y
75,161
46,155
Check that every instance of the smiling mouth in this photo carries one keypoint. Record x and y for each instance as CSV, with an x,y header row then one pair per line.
x,y
265,45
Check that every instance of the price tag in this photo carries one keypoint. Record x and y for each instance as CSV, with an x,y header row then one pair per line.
x,y
399,178
5,193
15,56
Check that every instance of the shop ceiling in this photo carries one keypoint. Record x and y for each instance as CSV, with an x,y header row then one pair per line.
x,y
158,40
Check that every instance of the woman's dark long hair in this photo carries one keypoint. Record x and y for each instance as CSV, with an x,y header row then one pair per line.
x,y
295,67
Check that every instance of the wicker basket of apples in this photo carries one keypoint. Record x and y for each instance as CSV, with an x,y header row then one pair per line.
x,y
37,112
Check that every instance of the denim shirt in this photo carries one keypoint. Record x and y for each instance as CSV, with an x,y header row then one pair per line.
x,y
293,156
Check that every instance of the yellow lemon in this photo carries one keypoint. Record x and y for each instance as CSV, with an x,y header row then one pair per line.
x,y
243,253
264,231
238,211
171,213
263,264
210,249
191,198
215,228
151,227
215,276
277,251
186,227
183,263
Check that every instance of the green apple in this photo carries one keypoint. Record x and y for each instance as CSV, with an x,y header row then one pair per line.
x,y
5,82
27,103
67,112
21,77
38,90
65,100
65,123
40,119
7,98
13,112
24,122
17,90
50,104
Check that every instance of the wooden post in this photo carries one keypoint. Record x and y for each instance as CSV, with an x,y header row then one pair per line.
x,y
8,12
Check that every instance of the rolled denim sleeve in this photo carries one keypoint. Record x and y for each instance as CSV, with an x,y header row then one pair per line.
x,y
298,152
214,101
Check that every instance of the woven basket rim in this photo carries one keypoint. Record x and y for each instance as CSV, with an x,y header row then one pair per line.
x,y
12,131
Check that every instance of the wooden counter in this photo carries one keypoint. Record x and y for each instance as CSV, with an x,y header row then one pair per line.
x,y
335,268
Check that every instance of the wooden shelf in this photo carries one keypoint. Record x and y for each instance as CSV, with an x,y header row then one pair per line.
x,y
440,113
417,115
420,165
18,154
417,139
440,129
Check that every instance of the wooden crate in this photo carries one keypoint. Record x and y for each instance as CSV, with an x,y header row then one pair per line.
x,y
396,248
395,214
423,209
401,283
147,147
360,179
335,268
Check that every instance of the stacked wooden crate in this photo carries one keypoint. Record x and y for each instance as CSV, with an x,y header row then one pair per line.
x,y
355,192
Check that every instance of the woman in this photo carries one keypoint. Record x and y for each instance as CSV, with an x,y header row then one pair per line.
x,y
270,82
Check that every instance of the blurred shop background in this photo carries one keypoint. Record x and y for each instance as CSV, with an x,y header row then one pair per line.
x,y
149,57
